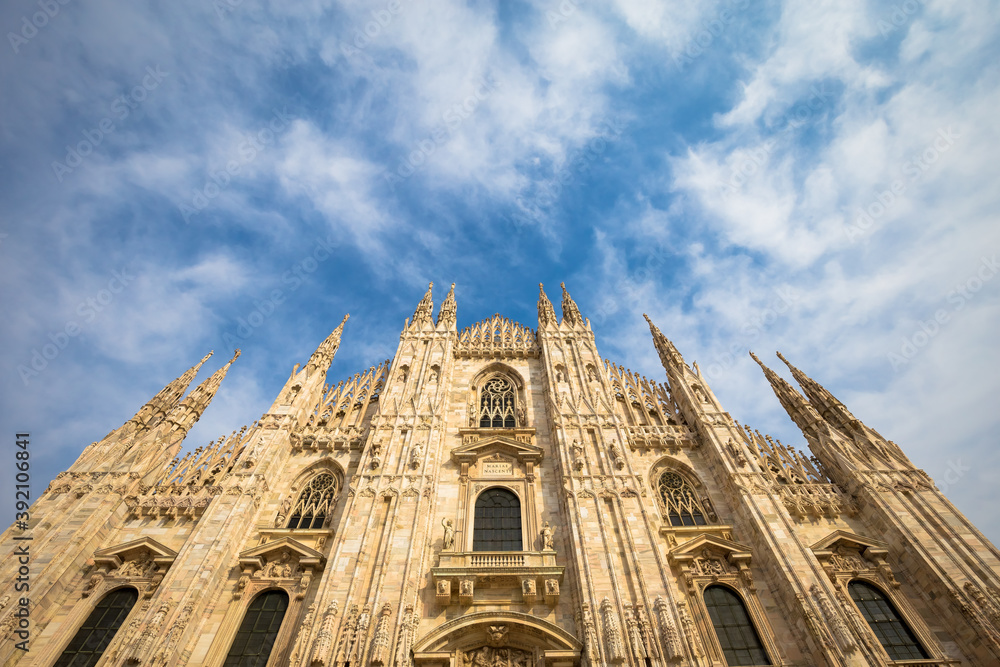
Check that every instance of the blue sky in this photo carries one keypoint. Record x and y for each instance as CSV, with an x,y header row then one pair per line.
x,y
818,178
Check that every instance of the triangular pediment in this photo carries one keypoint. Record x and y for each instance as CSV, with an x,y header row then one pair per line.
x,y
118,554
848,539
262,553
733,551
497,444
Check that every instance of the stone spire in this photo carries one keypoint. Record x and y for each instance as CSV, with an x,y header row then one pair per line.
x,y
424,314
449,310
825,403
194,404
669,356
571,314
323,356
795,404
168,397
546,313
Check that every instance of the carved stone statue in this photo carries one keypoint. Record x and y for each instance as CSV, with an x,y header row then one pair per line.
x,y
283,510
547,537
449,534
138,567
415,454
497,635
280,568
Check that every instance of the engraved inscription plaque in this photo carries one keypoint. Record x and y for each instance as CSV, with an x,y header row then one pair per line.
x,y
498,468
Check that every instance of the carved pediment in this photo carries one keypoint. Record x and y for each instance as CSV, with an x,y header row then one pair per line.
x,y
489,445
842,539
734,552
258,556
143,549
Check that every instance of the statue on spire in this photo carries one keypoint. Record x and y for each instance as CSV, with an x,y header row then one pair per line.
x,y
571,314
449,309
425,309
669,356
324,354
546,313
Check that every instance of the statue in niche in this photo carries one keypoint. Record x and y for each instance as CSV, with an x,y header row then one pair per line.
x,y
577,455
547,537
283,509
449,534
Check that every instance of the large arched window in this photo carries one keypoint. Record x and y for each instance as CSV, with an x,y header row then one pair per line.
x,y
680,503
895,636
256,636
315,503
497,404
89,642
498,522
739,639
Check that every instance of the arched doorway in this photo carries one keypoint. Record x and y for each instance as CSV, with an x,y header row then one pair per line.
x,y
497,639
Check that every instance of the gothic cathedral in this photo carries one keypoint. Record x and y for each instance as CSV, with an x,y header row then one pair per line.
x,y
498,497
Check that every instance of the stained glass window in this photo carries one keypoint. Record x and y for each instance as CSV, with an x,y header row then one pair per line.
x,y
740,641
680,503
89,642
315,503
890,628
259,630
496,404
498,522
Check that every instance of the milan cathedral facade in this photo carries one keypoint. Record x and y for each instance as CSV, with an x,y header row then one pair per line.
x,y
498,496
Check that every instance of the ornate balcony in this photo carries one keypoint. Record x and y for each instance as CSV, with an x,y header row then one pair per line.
x,y
534,573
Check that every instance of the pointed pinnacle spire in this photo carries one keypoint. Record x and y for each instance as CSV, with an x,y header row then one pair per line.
x,y
194,404
324,354
168,397
824,402
546,313
425,309
669,356
449,309
571,314
795,404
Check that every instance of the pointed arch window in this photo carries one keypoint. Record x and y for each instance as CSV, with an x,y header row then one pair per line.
x,y
315,503
498,522
892,631
258,631
497,404
739,639
680,504
89,642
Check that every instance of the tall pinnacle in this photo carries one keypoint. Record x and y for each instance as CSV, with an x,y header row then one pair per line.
x,y
669,356
168,397
194,404
449,309
795,404
323,355
425,309
824,402
571,314
546,313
